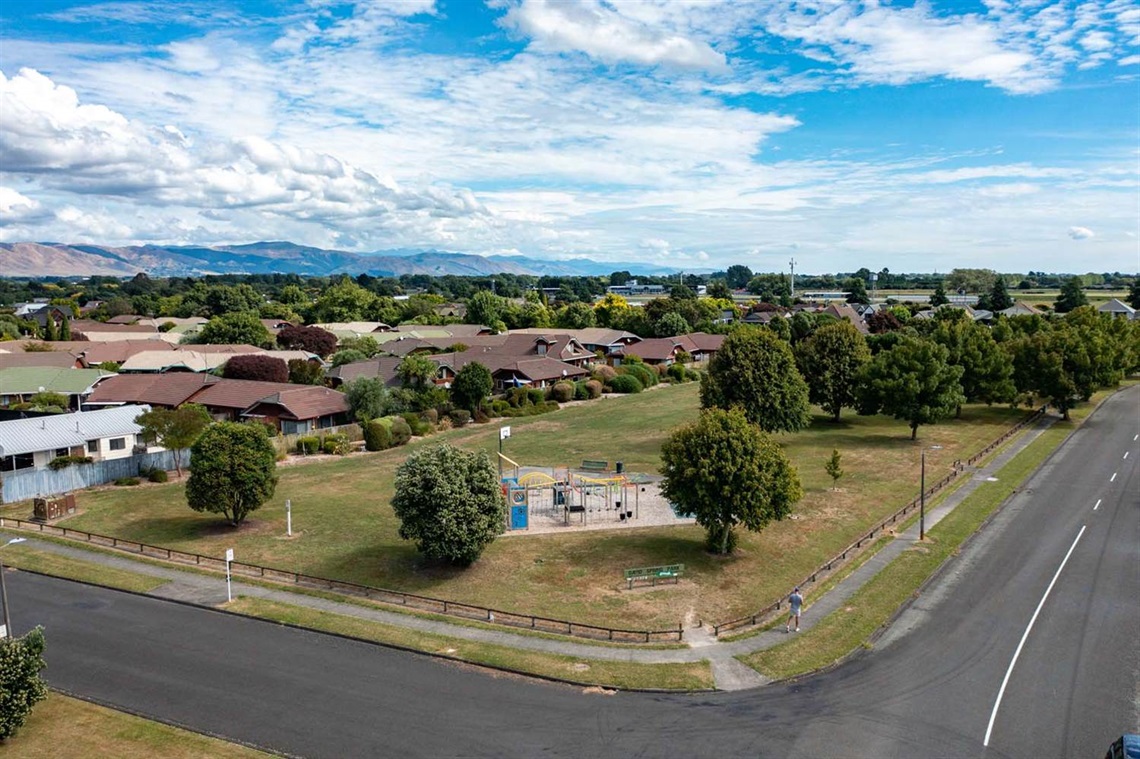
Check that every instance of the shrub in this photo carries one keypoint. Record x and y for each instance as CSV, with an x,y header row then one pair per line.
x,y
431,416
625,383
693,375
256,366
645,375
562,392
337,444
535,396
581,392
127,481
308,445
677,372
417,424
594,388
401,432
604,373
377,435
460,417
517,397
62,462
481,415
500,406
157,475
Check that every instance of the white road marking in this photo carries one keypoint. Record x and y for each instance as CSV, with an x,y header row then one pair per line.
x,y
1097,504
1125,455
1135,437
1112,478
1017,653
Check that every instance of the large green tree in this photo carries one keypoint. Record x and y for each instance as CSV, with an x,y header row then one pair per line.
x,y
755,370
913,381
1071,296
21,686
1134,293
856,288
725,471
738,276
449,502
237,328
344,301
830,360
232,470
987,374
174,429
998,299
484,307
367,398
471,386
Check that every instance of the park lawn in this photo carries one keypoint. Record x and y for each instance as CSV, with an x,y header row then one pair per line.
x,y
615,674
63,727
345,528
843,631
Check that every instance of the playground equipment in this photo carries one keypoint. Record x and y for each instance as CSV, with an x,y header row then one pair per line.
x,y
566,493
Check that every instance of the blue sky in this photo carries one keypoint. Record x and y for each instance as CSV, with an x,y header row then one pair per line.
x,y
691,133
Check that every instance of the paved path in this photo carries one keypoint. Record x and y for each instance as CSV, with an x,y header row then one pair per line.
x,y
729,673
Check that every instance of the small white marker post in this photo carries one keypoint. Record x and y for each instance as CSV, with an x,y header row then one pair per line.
x,y
229,558
504,433
288,517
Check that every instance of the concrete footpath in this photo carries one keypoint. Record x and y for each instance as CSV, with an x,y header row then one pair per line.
x,y
729,673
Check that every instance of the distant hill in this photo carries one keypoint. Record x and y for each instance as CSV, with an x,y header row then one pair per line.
x,y
29,259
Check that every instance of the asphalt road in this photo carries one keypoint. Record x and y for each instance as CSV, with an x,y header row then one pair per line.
x,y
928,689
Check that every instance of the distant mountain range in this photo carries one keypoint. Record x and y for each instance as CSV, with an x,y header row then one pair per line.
x,y
31,259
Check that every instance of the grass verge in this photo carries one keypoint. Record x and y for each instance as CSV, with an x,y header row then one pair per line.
x,y
681,676
872,606
62,726
44,562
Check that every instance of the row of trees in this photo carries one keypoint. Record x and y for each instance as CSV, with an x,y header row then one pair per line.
x,y
725,470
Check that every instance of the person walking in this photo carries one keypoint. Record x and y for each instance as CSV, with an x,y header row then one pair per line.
x,y
795,606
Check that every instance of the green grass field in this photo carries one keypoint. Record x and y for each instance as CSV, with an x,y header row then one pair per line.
x,y
345,529
872,606
67,728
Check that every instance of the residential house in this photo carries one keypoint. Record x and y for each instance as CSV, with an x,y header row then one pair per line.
x,y
1118,308
169,390
303,408
56,359
607,342
19,383
846,312
103,435
698,346
534,372
1021,308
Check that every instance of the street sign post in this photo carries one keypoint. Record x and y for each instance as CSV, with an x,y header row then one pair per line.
x,y
229,559
288,517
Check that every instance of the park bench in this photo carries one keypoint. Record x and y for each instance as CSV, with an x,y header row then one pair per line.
x,y
593,465
653,574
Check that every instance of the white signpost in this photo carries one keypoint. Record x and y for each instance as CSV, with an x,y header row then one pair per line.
x,y
288,517
229,558
504,433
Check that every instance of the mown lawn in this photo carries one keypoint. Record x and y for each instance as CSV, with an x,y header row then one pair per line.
x,y
344,527
67,727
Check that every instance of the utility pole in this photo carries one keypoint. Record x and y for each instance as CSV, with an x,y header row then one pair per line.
x,y
792,263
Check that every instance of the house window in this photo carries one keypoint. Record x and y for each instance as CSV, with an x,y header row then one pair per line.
x,y
17,462
92,446
62,452
118,443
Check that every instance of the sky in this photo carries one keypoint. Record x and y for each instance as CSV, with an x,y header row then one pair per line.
x,y
691,133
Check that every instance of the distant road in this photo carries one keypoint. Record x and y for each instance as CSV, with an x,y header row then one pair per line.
x,y
928,690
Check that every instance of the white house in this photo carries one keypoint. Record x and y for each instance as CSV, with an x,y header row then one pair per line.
x,y
105,434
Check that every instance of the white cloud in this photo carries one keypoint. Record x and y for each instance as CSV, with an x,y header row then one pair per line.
x,y
47,135
1080,233
603,31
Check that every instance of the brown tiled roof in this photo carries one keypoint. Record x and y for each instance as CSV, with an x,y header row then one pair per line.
x,y
703,341
304,402
538,369
654,349
383,367
168,390
208,348
59,359
237,394
844,311
118,350
124,319
89,325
